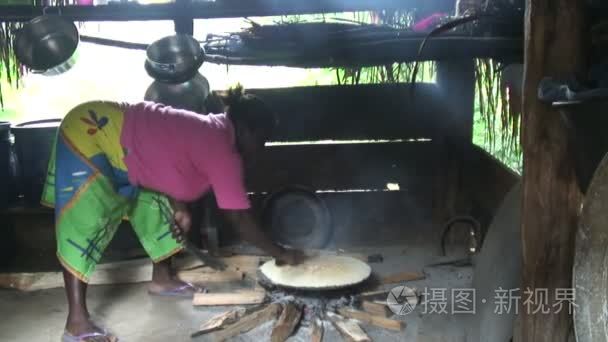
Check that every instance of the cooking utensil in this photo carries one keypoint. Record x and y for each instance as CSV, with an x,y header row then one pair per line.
x,y
321,272
297,217
210,261
47,44
174,59
190,95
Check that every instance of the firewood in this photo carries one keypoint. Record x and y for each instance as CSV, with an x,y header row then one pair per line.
x,y
229,298
376,309
374,294
247,322
217,322
317,330
348,328
364,317
287,322
401,277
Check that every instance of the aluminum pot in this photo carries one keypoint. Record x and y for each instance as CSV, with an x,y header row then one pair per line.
x,y
47,45
190,95
174,59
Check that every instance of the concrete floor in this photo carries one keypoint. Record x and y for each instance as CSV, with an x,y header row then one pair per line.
x,y
135,316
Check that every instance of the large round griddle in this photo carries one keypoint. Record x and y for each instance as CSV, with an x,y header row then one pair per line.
x,y
324,272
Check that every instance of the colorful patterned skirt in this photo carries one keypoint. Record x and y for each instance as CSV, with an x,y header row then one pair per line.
x,y
87,185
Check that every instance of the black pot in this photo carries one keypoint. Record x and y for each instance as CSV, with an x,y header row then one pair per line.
x,y
8,168
297,217
33,142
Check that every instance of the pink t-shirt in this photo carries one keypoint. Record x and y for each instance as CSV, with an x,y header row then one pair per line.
x,y
183,154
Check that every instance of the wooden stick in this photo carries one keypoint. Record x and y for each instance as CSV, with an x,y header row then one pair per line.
x,y
229,298
382,322
247,323
317,330
348,328
217,322
374,294
401,277
376,309
287,322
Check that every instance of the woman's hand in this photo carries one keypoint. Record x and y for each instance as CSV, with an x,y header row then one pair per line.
x,y
183,222
290,257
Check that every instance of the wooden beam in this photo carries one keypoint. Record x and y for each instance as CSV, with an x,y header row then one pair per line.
x,y
215,9
229,298
287,322
555,46
367,318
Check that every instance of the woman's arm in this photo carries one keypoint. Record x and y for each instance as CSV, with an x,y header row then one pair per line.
x,y
250,231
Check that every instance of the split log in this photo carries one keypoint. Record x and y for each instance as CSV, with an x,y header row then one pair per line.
x,y
555,46
229,298
287,322
367,318
377,309
219,321
348,328
316,334
401,277
247,322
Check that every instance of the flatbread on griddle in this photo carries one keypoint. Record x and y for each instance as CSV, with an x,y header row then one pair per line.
x,y
318,272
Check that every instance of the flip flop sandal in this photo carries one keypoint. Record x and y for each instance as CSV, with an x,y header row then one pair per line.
x,y
184,291
67,337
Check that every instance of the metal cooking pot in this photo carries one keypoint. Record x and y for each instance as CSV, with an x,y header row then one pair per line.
x,y
174,59
296,216
47,44
190,95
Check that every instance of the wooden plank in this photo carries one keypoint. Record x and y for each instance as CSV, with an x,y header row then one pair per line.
x,y
247,323
287,322
367,318
344,166
380,111
556,44
377,309
219,321
229,298
208,10
401,277
197,277
348,328
316,334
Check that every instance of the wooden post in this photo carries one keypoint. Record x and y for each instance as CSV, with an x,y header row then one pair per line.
x,y
554,46
456,82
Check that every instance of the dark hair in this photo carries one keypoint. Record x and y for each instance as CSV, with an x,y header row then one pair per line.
x,y
249,111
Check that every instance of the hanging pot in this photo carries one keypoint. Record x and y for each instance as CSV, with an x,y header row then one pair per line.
x,y
33,142
174,59
190,95
47,45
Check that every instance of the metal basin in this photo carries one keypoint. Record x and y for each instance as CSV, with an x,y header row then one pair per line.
x,y
190,95
174,59
47,44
